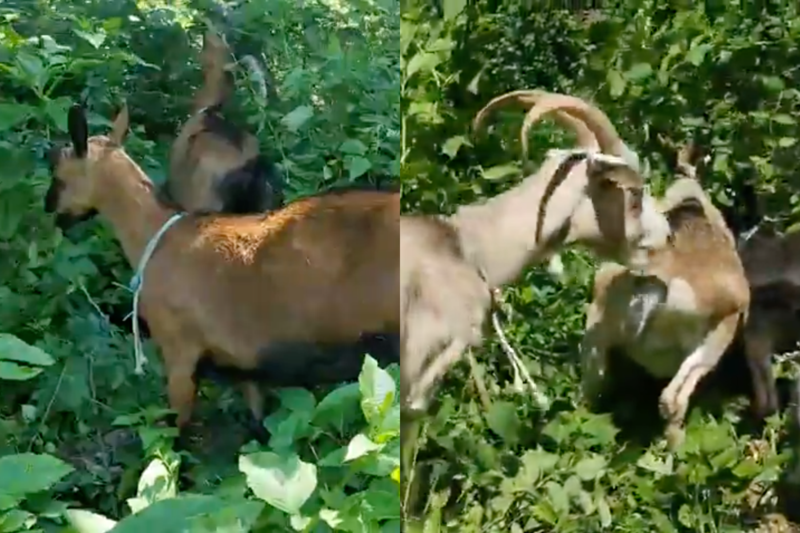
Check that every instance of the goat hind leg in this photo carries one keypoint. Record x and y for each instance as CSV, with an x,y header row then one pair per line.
x,y
674,401
255,402
759,348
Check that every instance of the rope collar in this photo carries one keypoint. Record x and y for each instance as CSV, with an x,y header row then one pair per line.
x,y
136,287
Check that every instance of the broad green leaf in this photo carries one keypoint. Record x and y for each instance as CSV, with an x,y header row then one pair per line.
x,y
15,372
697,54
16,520
14,114
639,71
502,419
499,172
422,62
616,83
27,473
590,467
453,144
359,446
353,146
339,407
453,8
378,390
57,110
283,481
170,515
295,119
96,39
358,166
14,349
297,399
88,522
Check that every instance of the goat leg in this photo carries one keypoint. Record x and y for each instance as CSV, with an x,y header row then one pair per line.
x,y
674,401
255,402
419,394
759,349
594,357
477,378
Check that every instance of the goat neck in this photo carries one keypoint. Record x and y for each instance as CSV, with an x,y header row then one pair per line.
x,y
126,198
498,236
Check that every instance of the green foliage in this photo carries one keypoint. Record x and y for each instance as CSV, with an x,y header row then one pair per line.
x,y
716,72
83,428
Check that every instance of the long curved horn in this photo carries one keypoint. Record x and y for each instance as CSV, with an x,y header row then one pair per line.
x,y
598,122
526,97
585,137
529,98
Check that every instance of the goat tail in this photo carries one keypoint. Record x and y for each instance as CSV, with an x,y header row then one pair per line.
x,y
256,74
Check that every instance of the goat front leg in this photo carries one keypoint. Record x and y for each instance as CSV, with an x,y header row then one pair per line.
x,y
594,357
419,395
181,390
674,401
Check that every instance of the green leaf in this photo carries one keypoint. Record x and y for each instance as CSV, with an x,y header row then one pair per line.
x,y
453,144
28,473
88,522
95,39
639,71
57,109
353,146
14,114
295,119
297,399
358,166
14,372
651,463
359,446
339,407
14,349
173,514
284,482
499,172
787,142
782,118
16,520
502,419
616,83
590,468
378,390
422,62
697,54
453,8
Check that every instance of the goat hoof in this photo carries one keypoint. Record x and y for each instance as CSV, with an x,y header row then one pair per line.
x,y
676,435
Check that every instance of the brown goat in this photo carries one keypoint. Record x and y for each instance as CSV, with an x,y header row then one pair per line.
x,y
677,316
258,293
214,165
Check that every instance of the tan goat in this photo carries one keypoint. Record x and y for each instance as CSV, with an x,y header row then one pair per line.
x,y
283,297
450,264
677,316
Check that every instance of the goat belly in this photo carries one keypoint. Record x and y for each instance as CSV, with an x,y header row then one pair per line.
x,y
308,364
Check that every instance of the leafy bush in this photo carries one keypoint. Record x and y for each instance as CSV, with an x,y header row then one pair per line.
x,y
717,73
77,428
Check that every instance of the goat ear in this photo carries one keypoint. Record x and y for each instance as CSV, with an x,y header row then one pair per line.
x,y
78,130
119,128
614,169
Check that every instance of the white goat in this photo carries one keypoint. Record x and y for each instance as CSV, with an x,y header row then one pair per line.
x,y
450,265
677,316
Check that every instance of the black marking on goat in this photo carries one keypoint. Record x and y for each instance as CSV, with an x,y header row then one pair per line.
x,y
648,293
254,187
296,364
559,176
